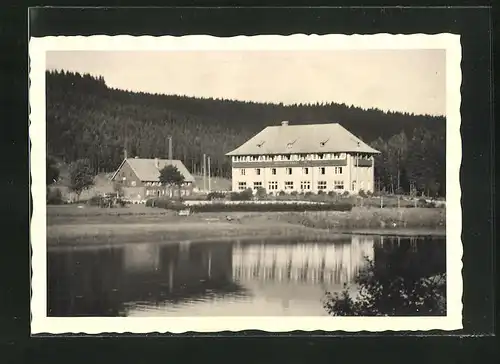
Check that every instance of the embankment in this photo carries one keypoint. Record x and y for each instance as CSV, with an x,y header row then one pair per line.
x,y
89,225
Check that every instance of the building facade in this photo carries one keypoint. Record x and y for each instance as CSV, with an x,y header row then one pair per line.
x,y
304,158
139,178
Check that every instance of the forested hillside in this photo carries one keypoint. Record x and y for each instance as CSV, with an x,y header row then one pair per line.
x,y
86,119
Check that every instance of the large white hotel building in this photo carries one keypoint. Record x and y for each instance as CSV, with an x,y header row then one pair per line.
x,y
304,158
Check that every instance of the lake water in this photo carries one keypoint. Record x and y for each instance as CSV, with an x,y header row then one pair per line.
x,y
239,278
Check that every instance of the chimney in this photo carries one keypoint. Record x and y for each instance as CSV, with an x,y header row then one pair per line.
x,y
170,148
284,123
125,153
157,164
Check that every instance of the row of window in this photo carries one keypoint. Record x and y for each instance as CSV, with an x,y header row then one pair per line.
x,y
289,185
305,170
124,182
155,192
290,157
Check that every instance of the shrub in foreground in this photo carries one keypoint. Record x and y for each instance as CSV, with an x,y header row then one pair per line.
x,y
386,293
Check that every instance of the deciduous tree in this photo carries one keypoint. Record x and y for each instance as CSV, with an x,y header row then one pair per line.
x,y
81,176
171,176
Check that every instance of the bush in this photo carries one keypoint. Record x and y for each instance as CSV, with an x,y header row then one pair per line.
x,y
332,193
261,192
121,202
308,194
271,207
362,193
281,193
245,195
164,203
102,201
345,194
215,195
95,201
321,192
422,202
54,196
294,193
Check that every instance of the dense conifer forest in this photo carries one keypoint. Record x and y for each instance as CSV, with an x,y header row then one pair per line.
x,y
87,119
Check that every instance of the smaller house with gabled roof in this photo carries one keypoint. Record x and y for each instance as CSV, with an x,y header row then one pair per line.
x,y
139,178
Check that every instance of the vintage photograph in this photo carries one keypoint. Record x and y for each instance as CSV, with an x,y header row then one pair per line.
x,y
255,179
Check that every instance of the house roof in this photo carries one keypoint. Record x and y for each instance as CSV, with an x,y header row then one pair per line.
x,y
312,138
146,169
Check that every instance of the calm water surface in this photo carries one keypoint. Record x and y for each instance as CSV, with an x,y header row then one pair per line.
x,y
240,278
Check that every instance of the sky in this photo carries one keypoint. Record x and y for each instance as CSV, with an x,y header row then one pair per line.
x,y
399,80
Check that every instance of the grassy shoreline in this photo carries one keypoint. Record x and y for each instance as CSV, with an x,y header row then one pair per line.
x,y
88,225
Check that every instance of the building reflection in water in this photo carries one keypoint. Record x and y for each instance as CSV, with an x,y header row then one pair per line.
x,y
294,274
143,257
310,263
252,277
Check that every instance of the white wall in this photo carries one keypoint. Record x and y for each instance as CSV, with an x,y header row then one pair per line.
x,y
364,175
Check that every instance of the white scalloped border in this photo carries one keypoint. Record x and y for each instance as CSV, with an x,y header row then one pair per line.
x,y
42,324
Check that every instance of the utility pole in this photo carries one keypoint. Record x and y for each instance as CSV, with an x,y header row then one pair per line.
x,y
204,172
357,165
209,178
